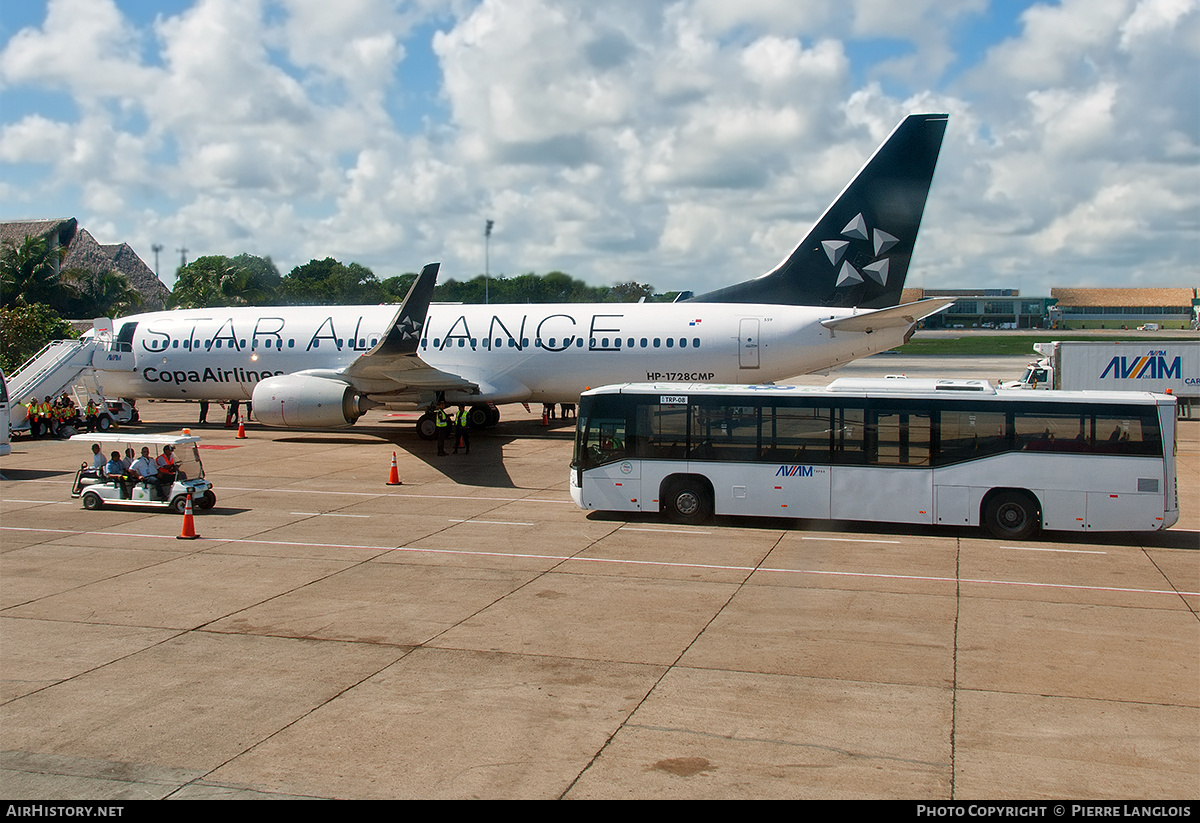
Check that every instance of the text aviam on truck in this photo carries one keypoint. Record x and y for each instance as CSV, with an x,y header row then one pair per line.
x,y
1163,367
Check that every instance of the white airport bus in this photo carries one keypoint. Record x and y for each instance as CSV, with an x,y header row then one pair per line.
x,y
950,452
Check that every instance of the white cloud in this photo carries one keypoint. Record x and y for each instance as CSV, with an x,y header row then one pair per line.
x,y
86,48
687,145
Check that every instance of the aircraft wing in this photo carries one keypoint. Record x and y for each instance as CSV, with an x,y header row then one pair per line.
x,y
394,358
895,317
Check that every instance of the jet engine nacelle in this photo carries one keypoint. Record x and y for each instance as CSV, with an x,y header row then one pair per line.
x,y
304,401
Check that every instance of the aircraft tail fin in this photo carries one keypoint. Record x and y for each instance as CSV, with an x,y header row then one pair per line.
x,y
857,253
405,332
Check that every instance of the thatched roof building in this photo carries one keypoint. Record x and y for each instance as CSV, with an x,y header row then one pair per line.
x,y
83,252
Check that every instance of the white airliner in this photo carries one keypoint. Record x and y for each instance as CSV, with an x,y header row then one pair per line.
x,y
832,300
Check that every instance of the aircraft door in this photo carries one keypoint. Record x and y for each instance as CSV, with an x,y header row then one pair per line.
x,y
125,337
748,343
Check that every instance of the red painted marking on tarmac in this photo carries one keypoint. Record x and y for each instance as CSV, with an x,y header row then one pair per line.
x,y
219,448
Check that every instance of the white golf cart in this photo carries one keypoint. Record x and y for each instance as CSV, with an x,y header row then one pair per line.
x,y
169,493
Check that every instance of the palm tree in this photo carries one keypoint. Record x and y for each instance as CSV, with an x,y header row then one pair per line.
x,y
108,294
29,272
240,287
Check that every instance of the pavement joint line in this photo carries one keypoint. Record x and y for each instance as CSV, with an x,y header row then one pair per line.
x,y
851,540
402,495
619,561
278,490
329,514
671,531
1035,549
493,522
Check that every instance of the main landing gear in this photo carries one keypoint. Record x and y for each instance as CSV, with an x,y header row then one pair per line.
x,y
481,415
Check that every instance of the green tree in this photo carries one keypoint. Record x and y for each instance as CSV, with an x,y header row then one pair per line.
x,y
216,280
257,285
396,288
198,284
630,292
24,330
328,282
29,272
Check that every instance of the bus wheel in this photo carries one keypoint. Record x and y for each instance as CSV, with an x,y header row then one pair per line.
x,y
92,501
1012,515
689,501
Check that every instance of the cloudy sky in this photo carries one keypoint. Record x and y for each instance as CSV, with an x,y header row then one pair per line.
x,y
686,144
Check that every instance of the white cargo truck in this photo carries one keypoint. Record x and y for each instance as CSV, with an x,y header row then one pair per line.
x,y
1167,366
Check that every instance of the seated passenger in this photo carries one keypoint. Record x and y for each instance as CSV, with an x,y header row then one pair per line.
x,y
114,471
144,469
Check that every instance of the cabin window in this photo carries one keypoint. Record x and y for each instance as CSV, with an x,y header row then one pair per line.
x,y
670,342
657,342
695,342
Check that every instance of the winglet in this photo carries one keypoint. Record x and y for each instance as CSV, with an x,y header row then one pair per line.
x,y
404,335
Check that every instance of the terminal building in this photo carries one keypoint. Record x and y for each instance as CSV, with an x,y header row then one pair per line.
x,y
1065,308
1124,308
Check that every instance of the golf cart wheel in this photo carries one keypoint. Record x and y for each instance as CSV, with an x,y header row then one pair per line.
x,y
179,504
92,501
206,501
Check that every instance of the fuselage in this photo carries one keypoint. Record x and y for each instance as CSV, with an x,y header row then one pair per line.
x,y
538,352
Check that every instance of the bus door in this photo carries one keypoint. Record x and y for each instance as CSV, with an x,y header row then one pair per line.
x,y
893,481
748,343
613,481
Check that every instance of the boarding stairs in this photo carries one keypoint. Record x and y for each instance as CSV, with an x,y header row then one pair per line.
x,y
71,366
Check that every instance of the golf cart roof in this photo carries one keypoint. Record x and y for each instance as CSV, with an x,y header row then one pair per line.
x,y
144,439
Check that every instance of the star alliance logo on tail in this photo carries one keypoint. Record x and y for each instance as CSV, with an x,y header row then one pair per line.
x,y
410,330
876,270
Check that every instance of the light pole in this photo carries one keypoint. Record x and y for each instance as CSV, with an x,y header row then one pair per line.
x,y
487,257
157,247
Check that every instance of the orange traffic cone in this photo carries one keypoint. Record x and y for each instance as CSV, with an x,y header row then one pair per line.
x,y
394,475
241,435
189,525
545,416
